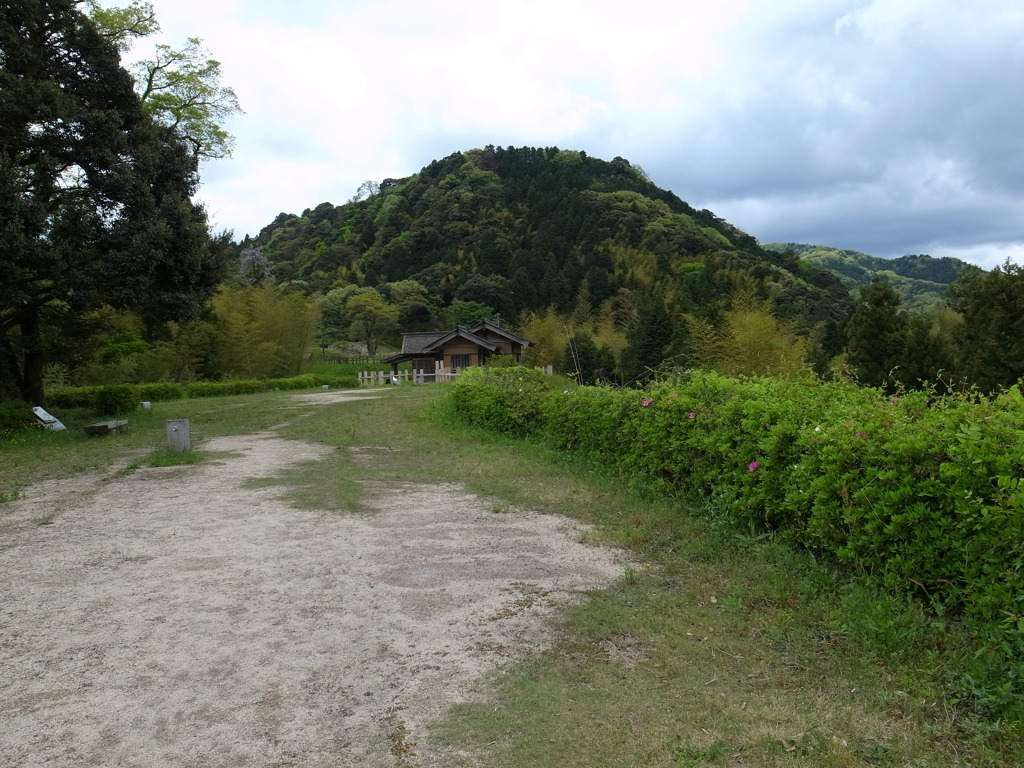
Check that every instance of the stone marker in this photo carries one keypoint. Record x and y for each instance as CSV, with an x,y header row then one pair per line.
x,y
177,435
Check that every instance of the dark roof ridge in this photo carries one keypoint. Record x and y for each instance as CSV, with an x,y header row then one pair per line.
x,y
491,326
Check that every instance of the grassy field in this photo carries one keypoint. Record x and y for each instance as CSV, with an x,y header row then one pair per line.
x,y
716,648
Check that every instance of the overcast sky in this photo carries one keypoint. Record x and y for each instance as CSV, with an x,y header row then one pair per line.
x,y
885,126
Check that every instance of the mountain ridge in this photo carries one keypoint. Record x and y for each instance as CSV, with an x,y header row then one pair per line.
x,y
920,280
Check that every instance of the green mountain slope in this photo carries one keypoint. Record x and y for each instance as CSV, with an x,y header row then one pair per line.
x,y
920,280
522,229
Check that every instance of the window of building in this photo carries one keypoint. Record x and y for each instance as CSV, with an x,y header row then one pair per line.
x,y
460,361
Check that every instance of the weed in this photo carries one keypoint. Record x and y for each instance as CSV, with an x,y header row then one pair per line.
x,y
695,757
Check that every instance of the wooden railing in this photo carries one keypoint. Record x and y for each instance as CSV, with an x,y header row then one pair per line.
x,y
382,378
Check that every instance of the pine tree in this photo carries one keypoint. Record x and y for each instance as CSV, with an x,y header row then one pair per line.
x,y
874,339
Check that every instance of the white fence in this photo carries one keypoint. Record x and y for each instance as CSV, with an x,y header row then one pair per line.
x,y
380,378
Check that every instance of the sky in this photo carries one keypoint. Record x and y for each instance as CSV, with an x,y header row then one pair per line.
x,y
883,126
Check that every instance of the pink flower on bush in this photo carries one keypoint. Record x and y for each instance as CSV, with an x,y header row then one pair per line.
x,y
752,466
647,401
673,395
693,415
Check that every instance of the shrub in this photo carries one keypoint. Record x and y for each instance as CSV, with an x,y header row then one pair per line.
x,y
502,361
71,397
506,399
205,389
249,386
295,382
15,415
161,391
116,399
336,381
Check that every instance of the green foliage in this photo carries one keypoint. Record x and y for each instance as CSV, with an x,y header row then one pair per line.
x,y
161,391
15,415
920,492
249,386
586,361
920,280
518,231
751,341
649,336
180,86
116,399
72,397
106,397
501,361
123,231
874,338
263,331
991,337
505,399
167,458
89,397
339,381
372,318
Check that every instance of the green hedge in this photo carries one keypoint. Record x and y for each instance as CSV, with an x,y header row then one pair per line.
x,y
116,399
88,397
161,391
71,397
921,493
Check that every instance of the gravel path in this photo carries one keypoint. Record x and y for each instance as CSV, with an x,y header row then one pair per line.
x,y
176,617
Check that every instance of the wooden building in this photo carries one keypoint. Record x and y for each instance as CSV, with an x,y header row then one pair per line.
x,y
451,351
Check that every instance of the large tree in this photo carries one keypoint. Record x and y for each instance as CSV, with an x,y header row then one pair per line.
x,y
95,195
991,337
875,334
179,86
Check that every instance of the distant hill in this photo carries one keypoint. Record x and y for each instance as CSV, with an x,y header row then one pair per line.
x,y
921,280
523,229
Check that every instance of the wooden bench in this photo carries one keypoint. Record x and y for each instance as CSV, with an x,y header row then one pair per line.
x,y
106,427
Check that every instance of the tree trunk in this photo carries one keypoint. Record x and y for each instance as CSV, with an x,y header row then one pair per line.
x,y
10,371
32,368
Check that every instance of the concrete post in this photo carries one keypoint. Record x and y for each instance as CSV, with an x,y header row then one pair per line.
x,y
177,435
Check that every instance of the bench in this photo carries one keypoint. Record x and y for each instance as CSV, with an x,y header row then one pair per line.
x,y
106,427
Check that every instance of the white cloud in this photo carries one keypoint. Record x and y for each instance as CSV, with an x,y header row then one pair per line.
x,y
834,117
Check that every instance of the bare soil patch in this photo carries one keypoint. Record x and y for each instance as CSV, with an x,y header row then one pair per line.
x,y
180,617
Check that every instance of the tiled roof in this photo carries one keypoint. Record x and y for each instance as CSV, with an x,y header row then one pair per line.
x,y
463,333
412,343
494,328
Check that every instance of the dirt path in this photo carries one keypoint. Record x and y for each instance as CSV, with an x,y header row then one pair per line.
x,y
175,617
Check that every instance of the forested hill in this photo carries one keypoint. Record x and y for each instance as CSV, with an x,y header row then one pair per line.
x,y
920,280
525,229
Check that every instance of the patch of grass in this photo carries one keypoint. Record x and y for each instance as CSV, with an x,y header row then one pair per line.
x,y
167,458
